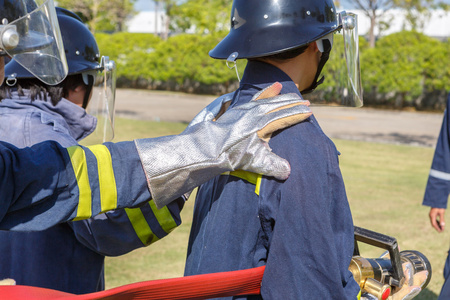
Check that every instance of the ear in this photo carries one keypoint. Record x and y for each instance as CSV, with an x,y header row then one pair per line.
x,y
314,46
79,88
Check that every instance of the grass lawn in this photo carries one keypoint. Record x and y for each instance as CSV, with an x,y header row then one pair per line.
x,y
385,186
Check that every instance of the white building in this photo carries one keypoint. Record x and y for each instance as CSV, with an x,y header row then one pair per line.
x,y
147,22
436,25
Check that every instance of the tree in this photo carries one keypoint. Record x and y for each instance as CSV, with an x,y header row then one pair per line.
x,y
418,12
404,67
167,7
117,11
101,15
201,16
376,9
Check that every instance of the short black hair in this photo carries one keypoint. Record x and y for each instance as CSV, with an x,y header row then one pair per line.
x,y
288,54
41,91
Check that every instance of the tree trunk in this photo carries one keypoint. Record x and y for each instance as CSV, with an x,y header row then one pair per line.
x,y
373,23
156,17
166,21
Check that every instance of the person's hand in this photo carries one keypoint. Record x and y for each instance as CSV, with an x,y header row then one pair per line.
x,y
413,283
437,218
210,146
7,281
219,106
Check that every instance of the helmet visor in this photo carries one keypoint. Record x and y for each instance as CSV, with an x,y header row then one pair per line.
x,y
34,41
343,65
354,96
102,102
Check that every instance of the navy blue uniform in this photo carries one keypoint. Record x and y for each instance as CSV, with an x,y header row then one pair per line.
x,y
438,185
301,229
30,177
70,256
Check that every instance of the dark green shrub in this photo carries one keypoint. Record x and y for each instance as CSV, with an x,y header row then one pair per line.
x,y
402,67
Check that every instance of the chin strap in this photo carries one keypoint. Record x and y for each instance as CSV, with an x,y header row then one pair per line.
x,y
90,84
322,62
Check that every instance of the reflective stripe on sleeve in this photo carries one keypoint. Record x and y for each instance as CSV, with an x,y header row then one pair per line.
x,y
439,175
78,159
140,225
253,178
258,184
164,218
359,295
107,181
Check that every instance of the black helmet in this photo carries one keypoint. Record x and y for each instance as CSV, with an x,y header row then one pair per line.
x,y
265,27
81,51
12,10
30,34
80,47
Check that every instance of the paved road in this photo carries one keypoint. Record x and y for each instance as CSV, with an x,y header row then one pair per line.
x,y
401,127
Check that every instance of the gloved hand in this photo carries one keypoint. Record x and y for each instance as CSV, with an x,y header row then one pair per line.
x,y
7,281
214,110
175,165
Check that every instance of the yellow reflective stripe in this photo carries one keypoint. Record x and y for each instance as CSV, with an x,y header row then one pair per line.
x,y
253,178
359,295
78,159
106,179
248,176
164,218
258,184
140,225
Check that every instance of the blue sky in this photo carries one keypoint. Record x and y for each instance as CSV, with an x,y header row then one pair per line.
x,y
142,5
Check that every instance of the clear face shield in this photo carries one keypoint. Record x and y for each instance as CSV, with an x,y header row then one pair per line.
x,y
343,69
101,104
35,42
349,23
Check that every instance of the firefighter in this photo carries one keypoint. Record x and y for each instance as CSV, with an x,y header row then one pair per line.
x,y
91,180
301,228
31,112
438,189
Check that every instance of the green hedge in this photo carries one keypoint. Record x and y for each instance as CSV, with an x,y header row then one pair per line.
x,y
404,69
130,51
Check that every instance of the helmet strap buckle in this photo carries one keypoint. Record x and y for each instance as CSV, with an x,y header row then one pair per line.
x,y
11,80
232,60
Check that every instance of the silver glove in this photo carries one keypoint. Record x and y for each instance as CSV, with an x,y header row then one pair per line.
x,y
176,164
213,110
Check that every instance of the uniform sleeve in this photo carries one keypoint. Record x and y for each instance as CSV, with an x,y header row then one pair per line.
x,y
121,231
438,184
312,240
87,180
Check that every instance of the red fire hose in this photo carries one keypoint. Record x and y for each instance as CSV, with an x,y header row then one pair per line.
x,y
224,284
